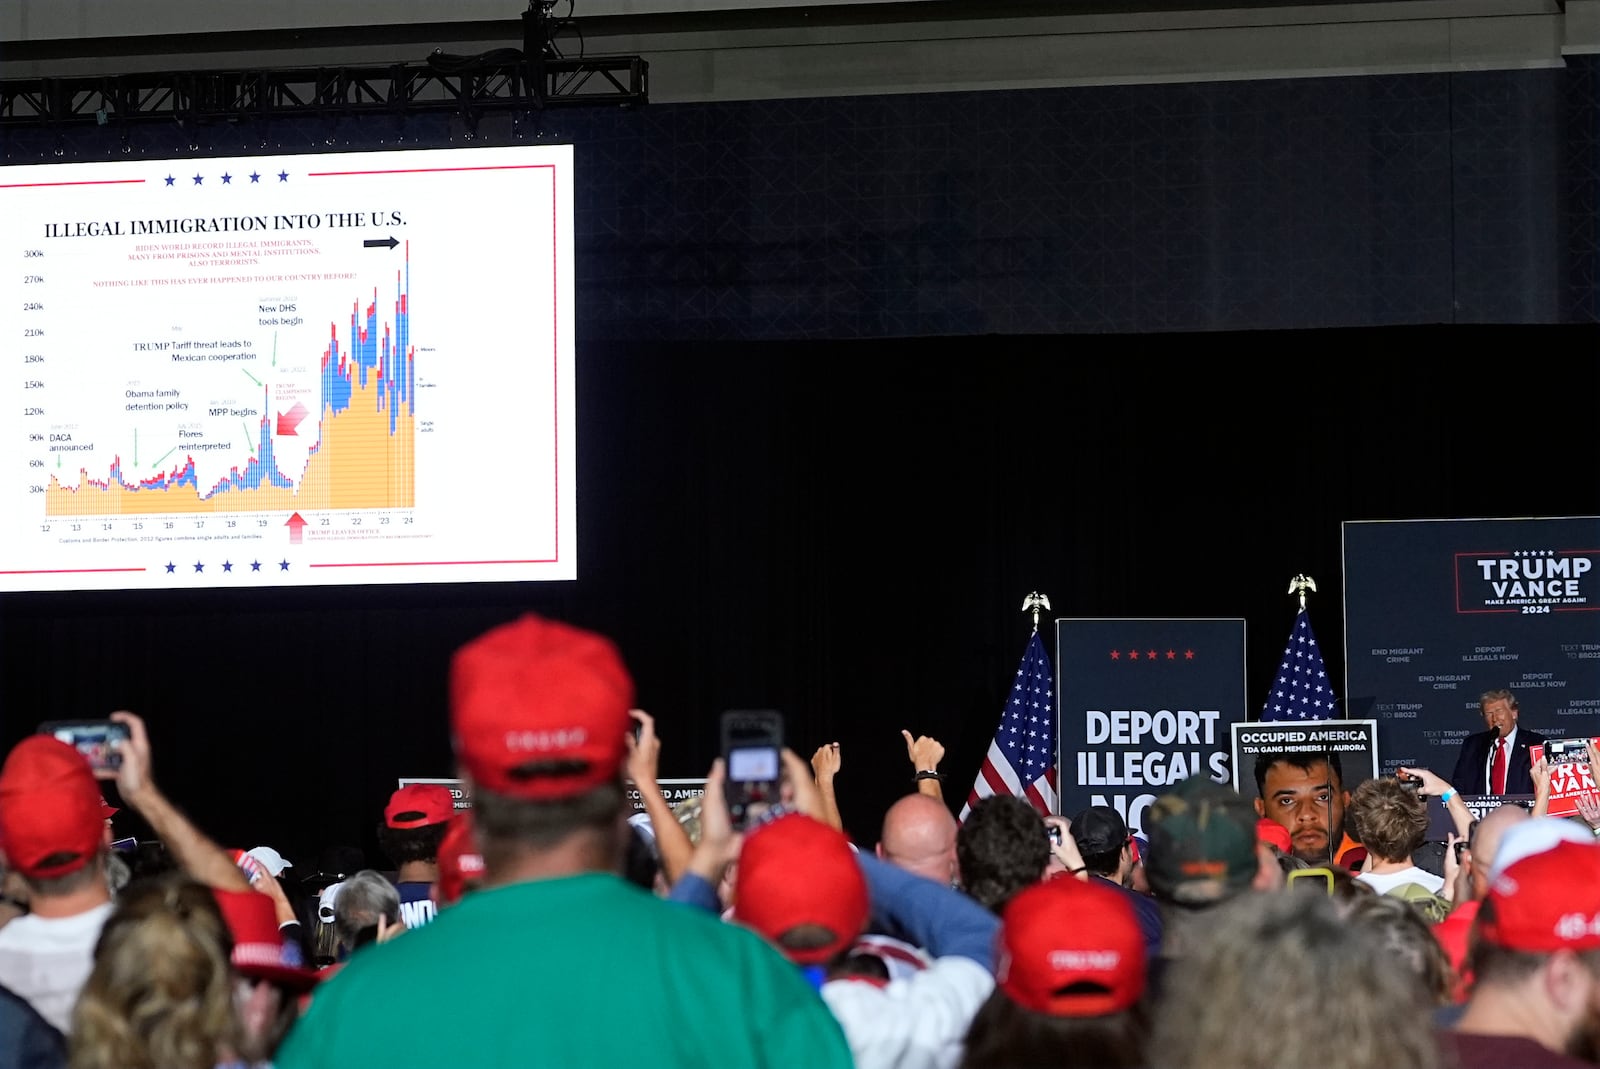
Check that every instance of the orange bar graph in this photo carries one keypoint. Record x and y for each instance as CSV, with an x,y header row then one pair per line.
x,y
358,464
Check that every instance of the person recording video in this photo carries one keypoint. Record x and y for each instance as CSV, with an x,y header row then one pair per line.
x,y
1496,761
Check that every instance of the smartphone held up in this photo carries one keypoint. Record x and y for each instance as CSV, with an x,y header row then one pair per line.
x,y
97,740
752,753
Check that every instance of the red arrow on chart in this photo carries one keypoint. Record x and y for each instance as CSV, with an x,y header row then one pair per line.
x,y
288,421
295,524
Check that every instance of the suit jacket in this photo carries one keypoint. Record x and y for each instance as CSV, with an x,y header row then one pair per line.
x,y
1471,777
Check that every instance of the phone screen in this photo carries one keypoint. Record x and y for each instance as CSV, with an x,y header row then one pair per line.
x,y
752,745
753,763
96,739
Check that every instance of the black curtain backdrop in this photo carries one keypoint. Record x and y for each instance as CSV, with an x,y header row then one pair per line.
x,y
1235,205
845,531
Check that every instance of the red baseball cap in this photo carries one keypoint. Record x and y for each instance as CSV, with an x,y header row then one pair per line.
x,y
1271,832
416,805
107,810
536,690
1547,902
1070,932
459,861
50,804
258,947
798,871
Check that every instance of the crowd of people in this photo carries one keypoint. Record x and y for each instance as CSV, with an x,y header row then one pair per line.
x,y
547,926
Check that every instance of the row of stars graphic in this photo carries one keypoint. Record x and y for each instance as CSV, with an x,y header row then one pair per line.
x,y
1533,553
1151,655
227,179
227,566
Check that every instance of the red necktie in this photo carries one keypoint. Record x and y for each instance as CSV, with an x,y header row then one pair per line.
x,y
1497,773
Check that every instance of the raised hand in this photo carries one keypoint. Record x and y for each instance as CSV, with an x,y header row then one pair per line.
x,y
1589,809
1541,778
825,762
266,883
925,752
644,753
133,777
1064,855
717,833
1453,868
801,788
1431,784
388,931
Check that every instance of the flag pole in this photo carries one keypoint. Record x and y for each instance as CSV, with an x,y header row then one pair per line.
x,y
1300,585
1024,757
1033,603
1302,690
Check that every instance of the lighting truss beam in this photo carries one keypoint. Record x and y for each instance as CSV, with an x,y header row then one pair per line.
x,y
328,92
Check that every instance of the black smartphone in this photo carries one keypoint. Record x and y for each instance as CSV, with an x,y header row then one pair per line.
x,y
97,740
1410,782
1460,846
752,752
1054,832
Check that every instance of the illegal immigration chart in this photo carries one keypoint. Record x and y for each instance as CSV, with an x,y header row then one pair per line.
x,y
288,370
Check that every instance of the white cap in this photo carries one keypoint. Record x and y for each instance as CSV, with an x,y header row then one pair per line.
x,y
270,860
1534,836
325,903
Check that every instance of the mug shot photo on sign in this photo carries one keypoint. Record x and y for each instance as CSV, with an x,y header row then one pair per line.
x,y
1300,776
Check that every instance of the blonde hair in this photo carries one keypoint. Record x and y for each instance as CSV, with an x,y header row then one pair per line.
x,y
1390,821
161,992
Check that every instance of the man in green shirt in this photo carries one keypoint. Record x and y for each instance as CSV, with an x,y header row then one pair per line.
x,y
557,961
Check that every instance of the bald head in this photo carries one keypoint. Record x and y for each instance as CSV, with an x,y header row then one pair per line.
x,y
919,835
1486,843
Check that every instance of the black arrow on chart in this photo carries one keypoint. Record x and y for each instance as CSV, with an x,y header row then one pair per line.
x,y
378,243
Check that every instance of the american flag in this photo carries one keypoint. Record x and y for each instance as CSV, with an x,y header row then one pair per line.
x,y
1022,758
1302,690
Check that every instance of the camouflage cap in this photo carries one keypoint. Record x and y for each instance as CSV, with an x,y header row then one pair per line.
x,y
1202,843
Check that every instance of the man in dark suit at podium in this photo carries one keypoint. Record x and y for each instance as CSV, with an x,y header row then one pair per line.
x,y
1496,761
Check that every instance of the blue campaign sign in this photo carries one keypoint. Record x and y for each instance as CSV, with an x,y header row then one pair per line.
x,y
1439,611
1145,704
